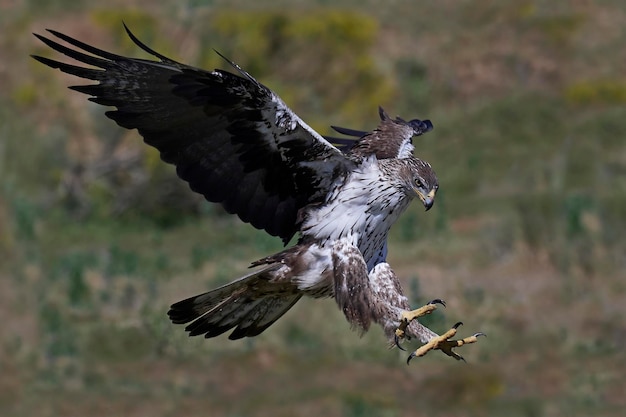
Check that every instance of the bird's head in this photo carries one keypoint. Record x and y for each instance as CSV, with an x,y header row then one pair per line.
x,y
420,180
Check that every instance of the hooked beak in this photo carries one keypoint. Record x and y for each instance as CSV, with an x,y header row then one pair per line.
x,y
428,199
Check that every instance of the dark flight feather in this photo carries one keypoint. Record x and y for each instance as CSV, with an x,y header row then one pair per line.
x,y
209,124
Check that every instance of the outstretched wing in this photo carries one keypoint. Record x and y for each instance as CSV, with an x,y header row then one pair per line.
x,y
231,138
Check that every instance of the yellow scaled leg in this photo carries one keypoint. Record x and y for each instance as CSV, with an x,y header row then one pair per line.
x,y
446,345
408,316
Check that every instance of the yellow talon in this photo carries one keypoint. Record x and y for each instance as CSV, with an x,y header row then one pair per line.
x,y
407,316
445,345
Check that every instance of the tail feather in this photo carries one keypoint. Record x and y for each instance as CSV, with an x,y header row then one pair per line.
x,y
250,304
218,320
193,307
264,315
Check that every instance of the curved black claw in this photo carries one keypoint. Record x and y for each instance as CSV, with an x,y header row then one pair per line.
x,y
438,301
411,356
459,324
479,334
396,340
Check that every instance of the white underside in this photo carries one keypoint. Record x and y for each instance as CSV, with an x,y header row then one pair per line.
x,y
362,210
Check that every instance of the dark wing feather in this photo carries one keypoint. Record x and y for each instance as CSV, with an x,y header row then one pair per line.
x,y
349,132
345,144
231,138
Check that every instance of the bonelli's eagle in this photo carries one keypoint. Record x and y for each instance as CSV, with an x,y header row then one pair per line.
x,y
237,143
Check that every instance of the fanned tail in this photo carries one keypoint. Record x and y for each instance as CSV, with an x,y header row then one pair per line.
x,y
251,304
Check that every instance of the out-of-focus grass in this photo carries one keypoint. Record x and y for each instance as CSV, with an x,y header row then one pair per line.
x,y
97,237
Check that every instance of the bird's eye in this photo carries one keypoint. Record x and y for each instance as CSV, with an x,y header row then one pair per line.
x,y
419,183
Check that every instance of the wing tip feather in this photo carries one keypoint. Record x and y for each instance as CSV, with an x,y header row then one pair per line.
x,y
145,47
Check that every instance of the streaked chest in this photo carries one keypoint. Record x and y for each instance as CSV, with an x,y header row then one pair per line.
x,y
363,209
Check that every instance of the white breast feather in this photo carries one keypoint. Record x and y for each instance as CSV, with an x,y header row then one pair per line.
x,y
363,210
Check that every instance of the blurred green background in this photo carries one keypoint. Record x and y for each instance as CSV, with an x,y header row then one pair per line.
x,y
525,243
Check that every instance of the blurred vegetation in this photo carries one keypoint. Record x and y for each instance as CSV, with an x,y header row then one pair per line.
x,y
271,45
597,92
525,242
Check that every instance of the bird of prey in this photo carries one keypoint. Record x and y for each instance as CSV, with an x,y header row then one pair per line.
x,y
238,144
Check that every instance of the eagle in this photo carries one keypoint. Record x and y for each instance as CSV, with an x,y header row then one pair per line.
x,y
234,141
